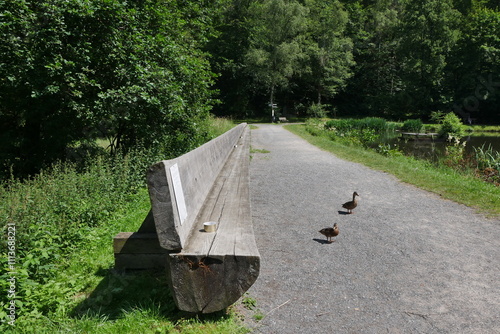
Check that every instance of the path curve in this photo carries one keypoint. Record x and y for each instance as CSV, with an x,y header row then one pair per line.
x,y
406,261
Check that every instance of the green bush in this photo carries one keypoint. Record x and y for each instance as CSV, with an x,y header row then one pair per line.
x,y
451,128
350,131
53,213
315,126
487,157
389,151
379,125
340,125
412,125
317,110
73,70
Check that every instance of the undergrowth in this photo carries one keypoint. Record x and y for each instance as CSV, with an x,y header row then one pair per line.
x,y
56,252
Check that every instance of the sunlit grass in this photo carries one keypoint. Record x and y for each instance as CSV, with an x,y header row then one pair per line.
x,y
485,128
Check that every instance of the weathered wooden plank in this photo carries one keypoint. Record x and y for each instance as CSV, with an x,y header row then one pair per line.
x,y
228,204
417,134
236,217
161,206
197,171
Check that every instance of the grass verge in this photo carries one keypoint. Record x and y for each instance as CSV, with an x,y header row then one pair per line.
x,y
444,181
98,299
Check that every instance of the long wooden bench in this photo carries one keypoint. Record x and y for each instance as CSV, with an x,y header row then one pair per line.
x,y
207,271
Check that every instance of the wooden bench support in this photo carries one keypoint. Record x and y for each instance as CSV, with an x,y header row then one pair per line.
x,y
139,251
203,284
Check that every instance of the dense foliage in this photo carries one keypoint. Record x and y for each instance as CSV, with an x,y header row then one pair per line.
x,y
132,72
396,59
414,57
141,73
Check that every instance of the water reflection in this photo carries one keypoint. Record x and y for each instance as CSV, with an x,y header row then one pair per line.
x,y
433,148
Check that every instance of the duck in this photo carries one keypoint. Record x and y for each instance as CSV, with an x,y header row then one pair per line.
x,y
330,232
351,204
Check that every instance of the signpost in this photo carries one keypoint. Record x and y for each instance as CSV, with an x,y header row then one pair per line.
x,y
273,106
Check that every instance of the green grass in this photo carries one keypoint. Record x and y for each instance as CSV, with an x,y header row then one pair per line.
x,y
258,150
445,181
485,128
95,298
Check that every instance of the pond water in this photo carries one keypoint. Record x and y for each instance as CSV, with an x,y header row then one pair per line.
x,y
433,149
480,140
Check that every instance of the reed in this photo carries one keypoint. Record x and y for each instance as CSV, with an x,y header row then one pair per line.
x,y
487,157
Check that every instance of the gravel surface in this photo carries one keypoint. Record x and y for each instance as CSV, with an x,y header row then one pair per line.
x,y
406,261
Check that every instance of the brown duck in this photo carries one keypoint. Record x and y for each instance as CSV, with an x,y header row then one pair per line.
x,y
330,232
351,204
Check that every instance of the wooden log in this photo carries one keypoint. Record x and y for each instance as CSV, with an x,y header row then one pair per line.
x,y
417,134
209,284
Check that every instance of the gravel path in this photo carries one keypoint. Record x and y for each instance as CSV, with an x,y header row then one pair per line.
x,y
406,261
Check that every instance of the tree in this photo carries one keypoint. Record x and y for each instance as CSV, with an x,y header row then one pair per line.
x,y
429,32
329,52
227,51
275,43
476,64
73,70
376,86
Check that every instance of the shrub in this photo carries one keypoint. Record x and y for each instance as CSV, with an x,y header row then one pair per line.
x,y
339,125
315,126
451,127
317,110
487,158
389,151
377,124
437,116
412,125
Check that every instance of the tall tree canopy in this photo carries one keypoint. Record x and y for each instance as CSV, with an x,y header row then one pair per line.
x,y
329,51
418,56
429,33
287,50
275,42
71,70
